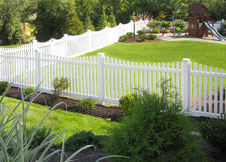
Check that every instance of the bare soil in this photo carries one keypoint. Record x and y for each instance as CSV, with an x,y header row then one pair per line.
x,y
50,100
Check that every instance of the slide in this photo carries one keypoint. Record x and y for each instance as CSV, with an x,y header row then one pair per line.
x,y
215,32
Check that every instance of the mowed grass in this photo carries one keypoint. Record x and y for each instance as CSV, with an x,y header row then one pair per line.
x,y
59,120
211,54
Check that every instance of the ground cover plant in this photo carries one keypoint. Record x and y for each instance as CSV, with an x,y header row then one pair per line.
x,y
155,131
157,52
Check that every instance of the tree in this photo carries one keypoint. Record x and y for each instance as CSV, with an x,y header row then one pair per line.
x,y
111,20
88,24
10,26
102,23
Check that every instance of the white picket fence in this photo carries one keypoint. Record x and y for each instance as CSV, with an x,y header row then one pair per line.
x,y
107,80
71,46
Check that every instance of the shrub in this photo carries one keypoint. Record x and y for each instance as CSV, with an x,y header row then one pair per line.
x,y
180,23
163,30
29,90
155,130
3,86
222,29
151,36
87,104
123,38
39,137
60,85
151,24
127,102
142,37
82,139
186,29
164,24
155,30
140,32
178,30
130,34
213,131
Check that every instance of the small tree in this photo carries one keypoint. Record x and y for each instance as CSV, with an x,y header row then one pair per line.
x,y
88,24
102,23
60,85
112,20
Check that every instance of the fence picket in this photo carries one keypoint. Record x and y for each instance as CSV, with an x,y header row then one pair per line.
x,y
215,91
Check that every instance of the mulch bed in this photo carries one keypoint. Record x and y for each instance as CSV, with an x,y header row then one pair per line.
x,y
137,39
45,99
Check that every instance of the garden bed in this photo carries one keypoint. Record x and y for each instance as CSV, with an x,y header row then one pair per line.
x,y
137,39
45,99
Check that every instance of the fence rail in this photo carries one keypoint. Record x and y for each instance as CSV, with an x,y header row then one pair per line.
x,y
201,89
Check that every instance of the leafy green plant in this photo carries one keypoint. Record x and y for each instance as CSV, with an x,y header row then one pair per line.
x,y
3,86
155,130
127,102
28,91
60,85
186,29
141,32
165,30
164,24
87,104
155,30
178,30
180,24
151,36
212,130
130,34
82,139
123,38
142,37
222,29
151,24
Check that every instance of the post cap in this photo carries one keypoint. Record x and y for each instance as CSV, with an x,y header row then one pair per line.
x,y
186,60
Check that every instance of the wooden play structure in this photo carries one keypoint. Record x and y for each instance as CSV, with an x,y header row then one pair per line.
x,y
198,14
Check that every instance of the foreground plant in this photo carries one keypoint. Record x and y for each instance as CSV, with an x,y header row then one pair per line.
x,y
16,141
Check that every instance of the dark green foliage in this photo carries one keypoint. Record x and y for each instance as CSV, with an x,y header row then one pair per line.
x,y
152,24
87,104
28,91
102,23
186,29
165,30
130,34
39,137
82,139
3,86
222,30
151,36
127,102
123,38
112,20
180,24
155,131
60,85
213,130
164,24
88,24
140,32
143,37
155,30
178,30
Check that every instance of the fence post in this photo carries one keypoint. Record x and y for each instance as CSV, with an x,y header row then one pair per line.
x,y
89,40
37,64
65,43
100,78
132,25
52,47
185,83
120,29
106,32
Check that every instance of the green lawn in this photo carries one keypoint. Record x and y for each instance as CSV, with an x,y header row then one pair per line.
x,y
59,120
211,54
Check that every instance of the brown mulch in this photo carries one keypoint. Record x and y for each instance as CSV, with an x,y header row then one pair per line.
x,y
70,104
137,39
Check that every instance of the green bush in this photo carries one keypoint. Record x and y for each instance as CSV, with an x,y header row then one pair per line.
x,y
127,102
213,130
142,37
178,30
164,24
3,86
130,34
82,139
222,29
186,29
151,24
29,90
60,85
180,23
157,23
151,36
123,38
163,30
141,32
87,104
155,30
155,131
39,137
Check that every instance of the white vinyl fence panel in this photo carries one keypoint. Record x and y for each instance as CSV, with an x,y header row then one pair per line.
x,y
201,88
